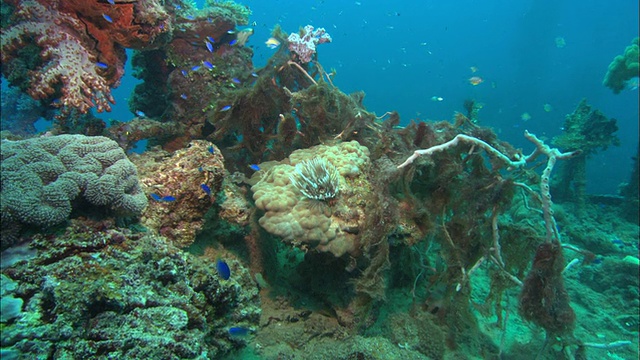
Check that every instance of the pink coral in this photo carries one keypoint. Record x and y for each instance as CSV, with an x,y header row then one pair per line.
x,y
305,46
81,46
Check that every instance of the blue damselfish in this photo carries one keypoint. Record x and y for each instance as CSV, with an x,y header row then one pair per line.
x,y
238,331
223,269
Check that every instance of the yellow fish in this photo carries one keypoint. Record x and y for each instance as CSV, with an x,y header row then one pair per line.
x,y
475,80
272,43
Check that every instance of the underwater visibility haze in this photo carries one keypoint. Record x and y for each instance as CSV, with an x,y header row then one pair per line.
x,y
319,179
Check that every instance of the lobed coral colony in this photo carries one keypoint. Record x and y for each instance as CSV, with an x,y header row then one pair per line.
x,y
274,216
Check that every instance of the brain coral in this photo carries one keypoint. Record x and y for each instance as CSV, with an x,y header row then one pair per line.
x,y
310,223
42,176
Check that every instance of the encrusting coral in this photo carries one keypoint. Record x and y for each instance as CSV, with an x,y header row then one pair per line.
x,y
183,177
42,176
97,290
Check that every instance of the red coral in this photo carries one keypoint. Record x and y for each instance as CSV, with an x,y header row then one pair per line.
x,y
73,37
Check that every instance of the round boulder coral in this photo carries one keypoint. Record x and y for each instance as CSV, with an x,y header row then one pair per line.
x,y
298,218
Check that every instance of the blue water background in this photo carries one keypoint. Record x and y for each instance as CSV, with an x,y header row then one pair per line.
x,y
402,53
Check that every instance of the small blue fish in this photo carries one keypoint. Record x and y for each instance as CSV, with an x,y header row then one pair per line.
x,y
195,68
206,188
255,75
157,197
211,149
211,39
112,2
208,65
597,261
184,73
233,42
226,108
209,46
254,167
238,331
190,17
619,243
102,65
231,32
107,17
223,269
178,7
235,80
140,113
183,96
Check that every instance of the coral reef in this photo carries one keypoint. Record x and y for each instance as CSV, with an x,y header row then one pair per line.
x,y
96,290
127,134
304,201
631,193
41,178
183,176
590,131
152,95
183,79
78,47
587,129
623,67
19,111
